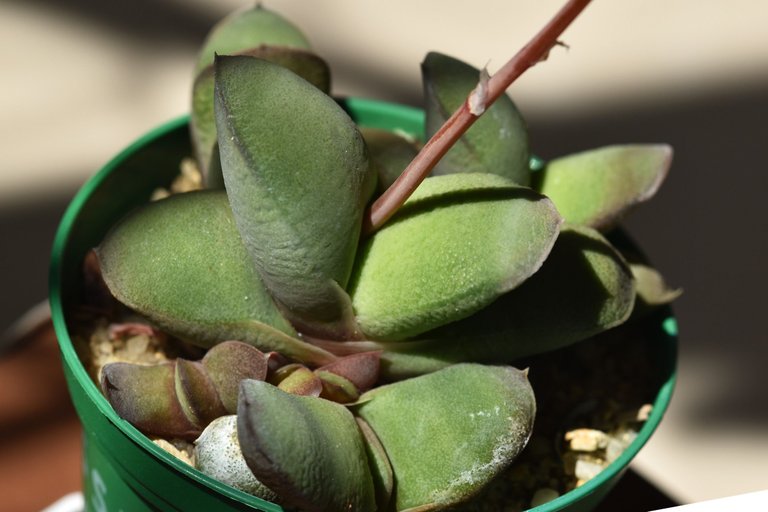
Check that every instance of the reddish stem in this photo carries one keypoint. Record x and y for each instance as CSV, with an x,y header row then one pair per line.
x,y
536,50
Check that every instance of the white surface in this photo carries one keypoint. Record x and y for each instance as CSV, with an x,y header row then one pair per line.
x,y
751,502
72,502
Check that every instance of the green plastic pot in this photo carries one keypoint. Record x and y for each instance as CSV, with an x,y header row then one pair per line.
x,y
123,469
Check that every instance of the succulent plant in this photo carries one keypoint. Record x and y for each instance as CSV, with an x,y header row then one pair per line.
x,y
365,353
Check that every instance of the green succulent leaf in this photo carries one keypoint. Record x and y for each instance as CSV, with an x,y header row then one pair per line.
x,y
597,187
652,289
179,398
361,369
297,177
145,396
498,141
202,120
337,388
196,393
447,434
181,263
249,28
585,287
457,244
381,469
230,362
390,154
306,449
299,380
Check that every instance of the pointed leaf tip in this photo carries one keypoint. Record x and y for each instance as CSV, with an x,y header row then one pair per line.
x,y
297,176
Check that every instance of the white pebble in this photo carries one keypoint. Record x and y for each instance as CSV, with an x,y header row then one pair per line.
x,y
218,455
586,470
543,495
586,439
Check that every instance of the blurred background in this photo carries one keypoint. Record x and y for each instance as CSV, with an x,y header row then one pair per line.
x,y
83,78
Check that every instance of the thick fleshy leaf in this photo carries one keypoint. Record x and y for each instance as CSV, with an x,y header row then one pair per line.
x,y
308,450
201,390
218,455
145,396
337,388
458,243
652,289
390,154
447,434
230,362
381,469
597,187
297,379
585,287
498,141
197,393
181,263
360,369
297,177
249,28
202,120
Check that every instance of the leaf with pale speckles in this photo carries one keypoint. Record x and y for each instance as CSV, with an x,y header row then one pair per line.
x,y
447,434
597,187
458,243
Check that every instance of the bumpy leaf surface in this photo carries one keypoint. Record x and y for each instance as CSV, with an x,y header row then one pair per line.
x,y
297,177
218,455
203,123
246,29
306,449
498,141
596,187
584,288
180,262
447,434
458,243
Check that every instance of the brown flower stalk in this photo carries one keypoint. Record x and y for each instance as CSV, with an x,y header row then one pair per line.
x,y
479,99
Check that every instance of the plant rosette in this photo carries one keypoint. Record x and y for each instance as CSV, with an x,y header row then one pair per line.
x,y
274,332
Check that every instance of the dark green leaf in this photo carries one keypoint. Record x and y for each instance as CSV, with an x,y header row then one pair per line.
x,y
458,243
583,288
308,450
497,143
297,177
447,434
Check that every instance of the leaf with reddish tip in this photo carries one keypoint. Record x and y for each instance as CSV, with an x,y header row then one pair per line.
x,y
597,187
381,469
146,397
306,449
458,243
298,179
196,393
449,433
361,369
230,362
337,388
498,141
